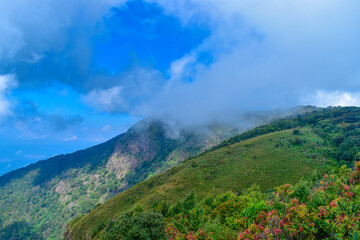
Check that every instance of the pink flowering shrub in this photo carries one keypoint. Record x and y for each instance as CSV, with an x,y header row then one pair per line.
x,y
325,209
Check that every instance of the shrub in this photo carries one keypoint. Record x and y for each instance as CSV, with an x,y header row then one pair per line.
x,y
296,132
189,202
131,226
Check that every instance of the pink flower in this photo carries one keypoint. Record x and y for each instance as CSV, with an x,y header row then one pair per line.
x,y
277,231
322,212
281,223
294,201
333,204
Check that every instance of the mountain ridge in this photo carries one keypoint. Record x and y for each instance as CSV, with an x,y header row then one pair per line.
x,y
281,152
212,172
71,184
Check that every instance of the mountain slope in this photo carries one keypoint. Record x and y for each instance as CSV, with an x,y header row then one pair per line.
x,y
284,151
265,160
37,201
325,207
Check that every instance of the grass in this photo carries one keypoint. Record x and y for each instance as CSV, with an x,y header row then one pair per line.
x,y
268,160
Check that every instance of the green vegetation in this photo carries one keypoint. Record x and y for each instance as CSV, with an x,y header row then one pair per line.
x,y
282,152
134,225
38,201
324,207
267,160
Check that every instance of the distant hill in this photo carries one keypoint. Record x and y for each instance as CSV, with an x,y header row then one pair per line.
x,y
281,152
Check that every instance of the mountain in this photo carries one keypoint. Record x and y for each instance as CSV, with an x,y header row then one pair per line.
x,y
281,152
37,201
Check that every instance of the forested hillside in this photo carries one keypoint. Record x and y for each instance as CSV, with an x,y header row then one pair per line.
x,y
37,202
274,154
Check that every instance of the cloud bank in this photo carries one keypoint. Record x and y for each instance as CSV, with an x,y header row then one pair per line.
x,y
259,55
266,55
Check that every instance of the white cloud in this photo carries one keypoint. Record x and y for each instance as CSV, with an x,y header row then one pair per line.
x,y
266,55
129,92
71,138
178,67
336,98
108,100
7,82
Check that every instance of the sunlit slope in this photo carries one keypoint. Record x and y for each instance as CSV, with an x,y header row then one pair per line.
x,y
266,160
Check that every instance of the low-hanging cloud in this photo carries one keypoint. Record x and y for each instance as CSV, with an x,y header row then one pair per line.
x,y
267,54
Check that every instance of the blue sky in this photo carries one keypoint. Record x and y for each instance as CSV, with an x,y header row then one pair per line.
x,y
74,74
